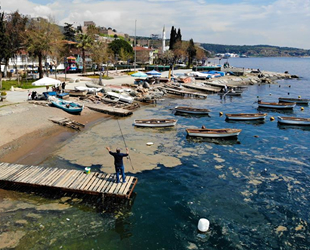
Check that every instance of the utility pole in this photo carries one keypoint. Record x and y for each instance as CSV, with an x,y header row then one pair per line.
x,y
135,45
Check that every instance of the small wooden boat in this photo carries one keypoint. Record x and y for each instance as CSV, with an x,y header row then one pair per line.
x,y
276,105
93,85
109,98
228,93
190,110
213,133
294,121
70,107
74,92
297,100
246,116
155,123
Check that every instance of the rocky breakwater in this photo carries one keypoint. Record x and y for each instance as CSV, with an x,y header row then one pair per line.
x,y
251,77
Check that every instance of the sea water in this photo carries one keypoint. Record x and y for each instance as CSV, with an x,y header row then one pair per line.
x,y
253,190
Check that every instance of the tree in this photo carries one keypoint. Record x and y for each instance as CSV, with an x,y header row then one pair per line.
x,y
167,57
178,36
11,37
125,55
191,52
119,44
69,32
175,37
92,31
84,43
172,38
200,54
99,53
42,37
180,51
4,43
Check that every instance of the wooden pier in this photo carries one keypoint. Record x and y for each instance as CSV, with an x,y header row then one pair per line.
x,y
202,88
185,93
109,110
75,181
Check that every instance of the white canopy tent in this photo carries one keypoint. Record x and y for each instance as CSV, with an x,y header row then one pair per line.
x,y
46,81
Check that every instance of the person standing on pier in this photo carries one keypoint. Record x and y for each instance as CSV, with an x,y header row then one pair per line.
x,y
118,163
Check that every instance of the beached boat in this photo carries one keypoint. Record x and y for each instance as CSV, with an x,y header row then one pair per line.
x,y
74,92
121,97
276,105
228,93
89,90
155,122
294,121
93,85
246,116
297,100
213,133
190,110
109,98
70,107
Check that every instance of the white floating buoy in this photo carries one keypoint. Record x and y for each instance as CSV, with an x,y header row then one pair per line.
x,y
149,143
203,225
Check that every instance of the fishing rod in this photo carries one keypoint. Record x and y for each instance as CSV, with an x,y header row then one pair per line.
x,y
119,126
128,157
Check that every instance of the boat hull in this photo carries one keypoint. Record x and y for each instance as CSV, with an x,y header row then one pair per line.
x,y
282,105
216,133
187,110
69,107
155,123
296,100
245,117
294,121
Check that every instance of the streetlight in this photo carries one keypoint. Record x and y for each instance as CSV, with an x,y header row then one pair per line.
x,y
135,45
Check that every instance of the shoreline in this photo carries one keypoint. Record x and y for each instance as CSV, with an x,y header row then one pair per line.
x,y
26,127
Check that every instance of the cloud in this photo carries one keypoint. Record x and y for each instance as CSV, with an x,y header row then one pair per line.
x,y
274,22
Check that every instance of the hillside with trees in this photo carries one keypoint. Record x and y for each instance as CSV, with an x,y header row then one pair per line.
x,y
255,50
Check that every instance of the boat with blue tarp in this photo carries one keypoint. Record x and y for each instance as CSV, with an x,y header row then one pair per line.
x,y
70,107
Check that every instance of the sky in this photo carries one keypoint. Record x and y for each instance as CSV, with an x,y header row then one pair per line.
x,y
232,22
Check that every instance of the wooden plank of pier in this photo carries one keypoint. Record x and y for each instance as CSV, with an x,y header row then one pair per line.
x,y
185,93
67,179
201,88
109,110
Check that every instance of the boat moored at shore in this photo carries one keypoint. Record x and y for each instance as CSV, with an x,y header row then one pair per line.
x,y
294,120
155,122
190,110
213,133
246,116
276,105
296,100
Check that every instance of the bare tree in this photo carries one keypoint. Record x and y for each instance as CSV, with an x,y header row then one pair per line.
x,y
43,37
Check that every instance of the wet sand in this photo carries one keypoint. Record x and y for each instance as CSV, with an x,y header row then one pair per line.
x,y
35,139
27,135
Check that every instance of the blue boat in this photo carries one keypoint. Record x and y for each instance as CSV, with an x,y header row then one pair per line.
x,y
70,107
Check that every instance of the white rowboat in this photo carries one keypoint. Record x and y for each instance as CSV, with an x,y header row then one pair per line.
x,y
214,133
155,123
246,117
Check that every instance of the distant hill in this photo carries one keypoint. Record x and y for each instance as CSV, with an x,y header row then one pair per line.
x,y
255,50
